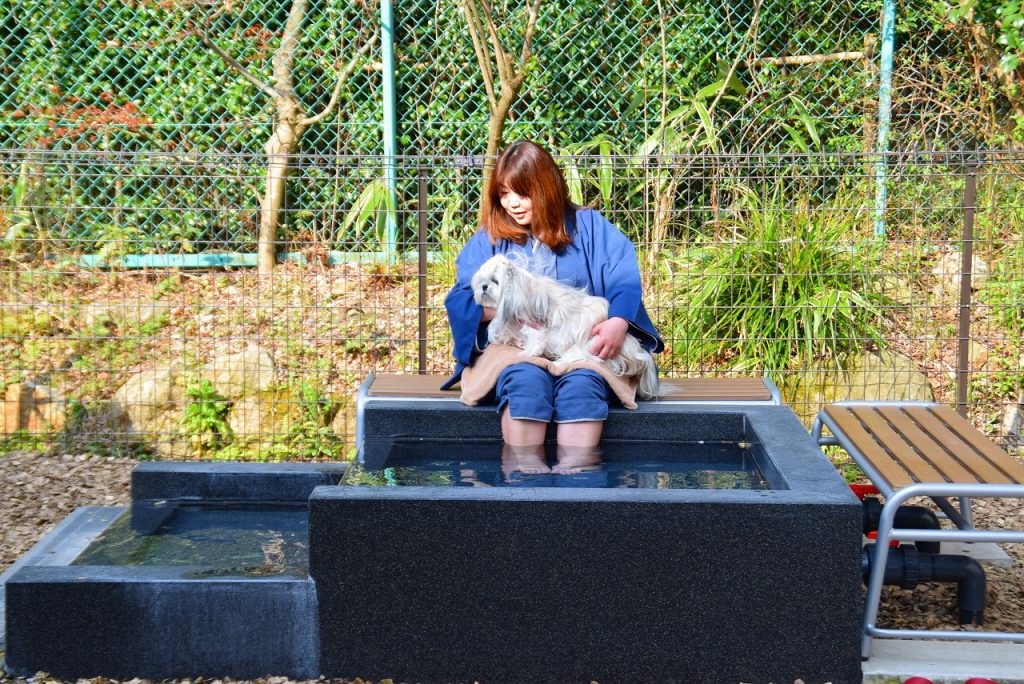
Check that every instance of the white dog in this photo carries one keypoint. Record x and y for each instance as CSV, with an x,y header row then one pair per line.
x,y
552,320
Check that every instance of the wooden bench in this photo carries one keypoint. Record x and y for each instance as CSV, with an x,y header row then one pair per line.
x,y
393,407
689,390
910,450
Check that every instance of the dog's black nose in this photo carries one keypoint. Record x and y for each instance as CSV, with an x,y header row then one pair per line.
x,y
484,287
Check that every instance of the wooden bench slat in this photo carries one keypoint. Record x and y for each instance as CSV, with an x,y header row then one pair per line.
x,y
895,473
1004,468
945,453
914,443
426,386
679,389
907,454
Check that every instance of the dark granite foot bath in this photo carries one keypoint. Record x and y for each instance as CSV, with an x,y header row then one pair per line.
x,y
463,583
166,621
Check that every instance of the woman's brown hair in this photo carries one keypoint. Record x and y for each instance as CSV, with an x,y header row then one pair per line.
x,y
529,170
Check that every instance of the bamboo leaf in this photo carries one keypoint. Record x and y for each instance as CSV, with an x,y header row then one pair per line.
x,y
710,136
806,119
574,181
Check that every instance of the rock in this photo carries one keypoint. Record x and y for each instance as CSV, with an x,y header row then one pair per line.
x,y
265,415
129,314
150,393
874,376
947,273
344,422
242,373
977,355
33,408
1012,418
897,289
153,402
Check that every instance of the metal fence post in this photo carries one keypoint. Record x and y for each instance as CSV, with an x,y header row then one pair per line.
x,y
421,247
884,113
966,271
387,21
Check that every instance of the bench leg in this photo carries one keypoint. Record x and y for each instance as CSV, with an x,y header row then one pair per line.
x,y
965,511
961,518
874,593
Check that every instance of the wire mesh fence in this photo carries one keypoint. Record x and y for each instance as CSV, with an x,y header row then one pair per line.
x,y
765,264
182,79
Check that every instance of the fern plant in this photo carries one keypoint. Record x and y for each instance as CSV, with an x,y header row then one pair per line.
x,y
205,417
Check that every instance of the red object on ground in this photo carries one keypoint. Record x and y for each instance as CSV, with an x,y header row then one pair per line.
x,y
980,680
862,490
893,543
917,680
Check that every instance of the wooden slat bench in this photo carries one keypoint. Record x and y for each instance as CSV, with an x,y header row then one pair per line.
x,y
695,390
910,450
394,407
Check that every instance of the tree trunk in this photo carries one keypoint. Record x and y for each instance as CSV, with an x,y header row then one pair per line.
x,y
290,121
284,141
495,130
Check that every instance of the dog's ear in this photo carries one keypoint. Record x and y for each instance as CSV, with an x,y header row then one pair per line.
x,y
508,272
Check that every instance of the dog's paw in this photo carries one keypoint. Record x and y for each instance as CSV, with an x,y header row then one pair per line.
x,y
535,341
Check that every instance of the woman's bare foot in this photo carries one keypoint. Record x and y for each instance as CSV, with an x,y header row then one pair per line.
x,y
577,460
530,460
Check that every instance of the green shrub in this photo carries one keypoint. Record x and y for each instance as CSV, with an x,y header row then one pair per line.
x,y
790,285
205,418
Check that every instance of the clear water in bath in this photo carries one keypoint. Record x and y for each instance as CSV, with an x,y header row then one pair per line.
x,y
219,539
652,465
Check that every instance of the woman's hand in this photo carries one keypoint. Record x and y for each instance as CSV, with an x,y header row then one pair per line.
x,y
489,312
607,337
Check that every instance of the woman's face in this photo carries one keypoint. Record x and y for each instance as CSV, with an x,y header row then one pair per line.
x,y
519,207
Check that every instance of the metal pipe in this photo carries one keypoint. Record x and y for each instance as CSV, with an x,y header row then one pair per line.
x,y
387,26
884,113
906,566
886,533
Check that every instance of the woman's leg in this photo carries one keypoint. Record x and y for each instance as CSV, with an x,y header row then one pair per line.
x,y
584,434
526,402
522,432
581,407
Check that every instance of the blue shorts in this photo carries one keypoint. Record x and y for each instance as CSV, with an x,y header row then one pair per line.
x,y
531,393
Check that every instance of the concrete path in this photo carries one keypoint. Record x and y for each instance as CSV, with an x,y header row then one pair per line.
x,y
943,662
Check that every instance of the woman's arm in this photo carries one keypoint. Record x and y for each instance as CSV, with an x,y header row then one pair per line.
x,y
466,318
615,275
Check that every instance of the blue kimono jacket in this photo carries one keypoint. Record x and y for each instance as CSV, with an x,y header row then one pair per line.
x,y
600,258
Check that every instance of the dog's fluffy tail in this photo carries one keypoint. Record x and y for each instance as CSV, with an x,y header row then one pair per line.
x,y
649,387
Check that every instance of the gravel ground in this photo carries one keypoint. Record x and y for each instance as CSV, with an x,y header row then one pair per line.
x,y
37,491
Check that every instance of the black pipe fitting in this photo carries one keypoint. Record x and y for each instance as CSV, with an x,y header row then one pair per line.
x,y
906,566
907,517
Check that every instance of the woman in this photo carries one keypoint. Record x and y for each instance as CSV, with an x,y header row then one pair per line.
x,y
529,214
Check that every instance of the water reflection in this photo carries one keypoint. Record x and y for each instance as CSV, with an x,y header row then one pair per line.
x,y
662,465
528,466
224,539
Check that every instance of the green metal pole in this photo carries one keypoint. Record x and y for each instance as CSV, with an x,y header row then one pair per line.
x,y
884,113
387,21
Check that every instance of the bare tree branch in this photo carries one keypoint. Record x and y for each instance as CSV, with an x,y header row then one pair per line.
x,y
483,59
342,77
284,56
803,60
240,68
531,24
501,56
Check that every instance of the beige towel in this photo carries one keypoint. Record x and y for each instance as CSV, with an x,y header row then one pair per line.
x,y
479,379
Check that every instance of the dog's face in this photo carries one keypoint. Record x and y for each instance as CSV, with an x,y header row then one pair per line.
x,y
491,279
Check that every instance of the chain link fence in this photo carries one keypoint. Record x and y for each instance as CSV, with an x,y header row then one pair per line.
x,y
197,79
736,144
774,269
